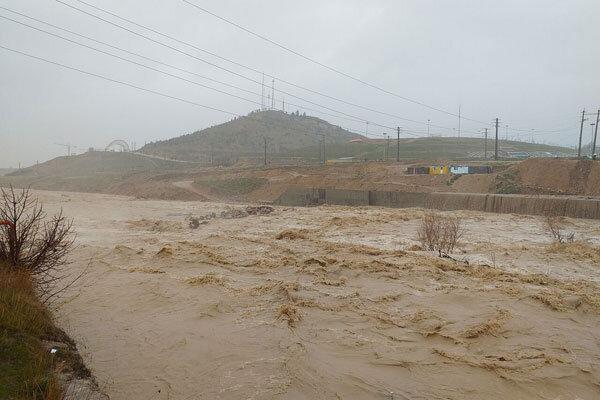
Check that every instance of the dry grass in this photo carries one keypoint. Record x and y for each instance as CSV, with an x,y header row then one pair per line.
x,y
146,270
19,308
208,279
166,251
581,251
329,282
552,299
290,313
491,326
292,234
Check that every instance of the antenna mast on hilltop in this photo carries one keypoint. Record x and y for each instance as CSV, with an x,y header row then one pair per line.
x,y
273,94
66,146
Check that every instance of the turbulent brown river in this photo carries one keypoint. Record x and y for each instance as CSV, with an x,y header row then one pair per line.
x,y
328,303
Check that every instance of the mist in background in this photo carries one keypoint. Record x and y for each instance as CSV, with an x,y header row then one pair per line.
x,y
533,64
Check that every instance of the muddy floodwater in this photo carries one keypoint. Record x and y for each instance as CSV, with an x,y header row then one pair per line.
x,y
328,303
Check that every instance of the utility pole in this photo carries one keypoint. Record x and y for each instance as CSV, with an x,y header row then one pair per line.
x,y
262,95
428,124
581,133
324,156
459,107
595,134
265,138
398,150
67,146
485,144
496,142
387,151
321,151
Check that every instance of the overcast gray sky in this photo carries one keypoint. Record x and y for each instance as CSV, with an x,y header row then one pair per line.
x,y
532,63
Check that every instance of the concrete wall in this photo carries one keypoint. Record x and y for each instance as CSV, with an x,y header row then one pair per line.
x,y
568,206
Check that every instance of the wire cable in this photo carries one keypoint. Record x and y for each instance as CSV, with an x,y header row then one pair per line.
x,y
155,92
224,59
312,60
177,76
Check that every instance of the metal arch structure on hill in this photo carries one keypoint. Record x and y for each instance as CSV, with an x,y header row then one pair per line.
x,y
118,143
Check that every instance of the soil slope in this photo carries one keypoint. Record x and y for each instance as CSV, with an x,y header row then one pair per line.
x,y
552,176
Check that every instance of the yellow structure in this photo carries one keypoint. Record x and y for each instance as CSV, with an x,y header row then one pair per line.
x,y
438,170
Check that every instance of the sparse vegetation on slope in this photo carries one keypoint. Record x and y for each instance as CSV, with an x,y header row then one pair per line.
x,y
244,137
36,358
293,137
234,186
508,182
27,369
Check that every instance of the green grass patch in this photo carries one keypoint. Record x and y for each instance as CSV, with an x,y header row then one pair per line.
x,y
27,369
234,186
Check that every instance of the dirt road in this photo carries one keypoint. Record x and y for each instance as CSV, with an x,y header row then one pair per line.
x,y
328,303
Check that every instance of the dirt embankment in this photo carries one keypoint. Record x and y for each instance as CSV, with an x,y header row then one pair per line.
x,y
142,177
551,176
359,176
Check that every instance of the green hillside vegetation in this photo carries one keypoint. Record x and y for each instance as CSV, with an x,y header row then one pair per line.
x,y
422,148
234,186
245,137
293,136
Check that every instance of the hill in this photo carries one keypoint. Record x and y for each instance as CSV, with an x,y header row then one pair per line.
x,y
293,139
440,148
105,172
286,135
6,171
95,163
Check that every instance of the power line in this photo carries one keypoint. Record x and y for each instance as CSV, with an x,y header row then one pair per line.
x,y
151,91
354,119
360,119
224,59
337,71
124,50
330,68
241,65
117,81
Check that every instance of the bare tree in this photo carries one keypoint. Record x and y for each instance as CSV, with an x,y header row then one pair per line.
x,y
555,226
429,231
452,230
33,242
439,233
